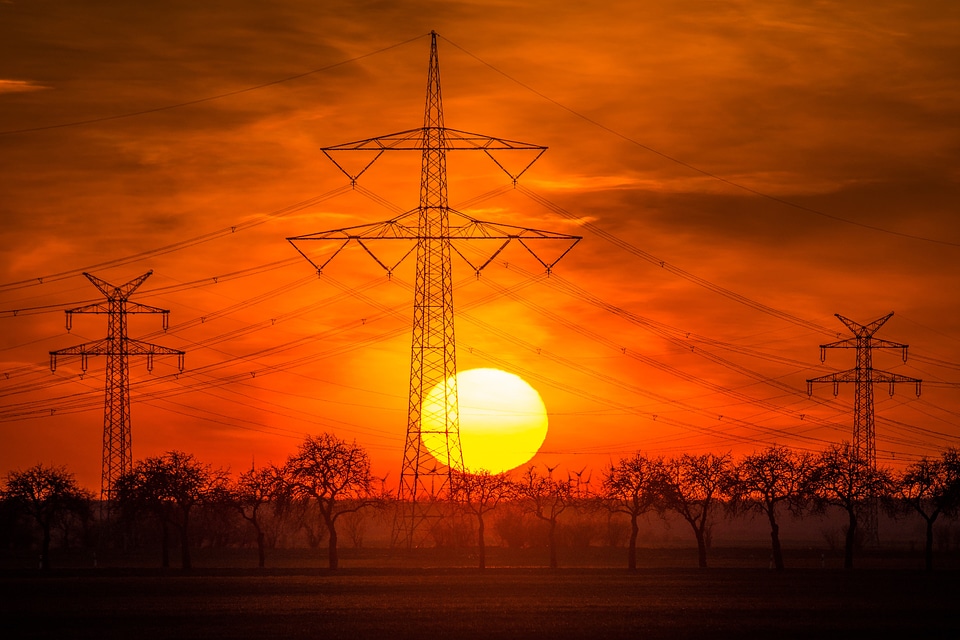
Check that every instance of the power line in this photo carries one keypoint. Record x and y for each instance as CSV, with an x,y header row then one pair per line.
x,y
692,167
650,258
683,339
663,264
429,231
177,246
219,96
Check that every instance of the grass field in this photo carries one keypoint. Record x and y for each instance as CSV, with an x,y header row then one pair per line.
x,y
749,557
456,602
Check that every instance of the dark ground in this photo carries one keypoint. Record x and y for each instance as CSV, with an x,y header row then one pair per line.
x,y
733,599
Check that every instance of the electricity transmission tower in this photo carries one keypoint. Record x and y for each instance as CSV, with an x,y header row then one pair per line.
x,y
864,376
433,231
117,453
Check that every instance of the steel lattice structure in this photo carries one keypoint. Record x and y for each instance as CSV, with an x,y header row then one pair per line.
x,y
432,231
864,376
117,452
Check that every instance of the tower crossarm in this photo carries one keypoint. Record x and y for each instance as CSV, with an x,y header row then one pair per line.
x,y
96,307
136,307
893,378
122,292
846,343
876,376
420,139
454,140
106,308
864,330
129,347
117,300
95,348
138,348
860,343
462,227
876,343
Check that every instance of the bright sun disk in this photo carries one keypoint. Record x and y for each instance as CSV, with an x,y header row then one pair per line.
x,y
503,420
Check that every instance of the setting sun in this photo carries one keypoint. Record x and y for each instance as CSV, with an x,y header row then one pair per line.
x,y
503,421
287,289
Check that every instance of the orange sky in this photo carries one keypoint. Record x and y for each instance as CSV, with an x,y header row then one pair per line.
x,y
849,110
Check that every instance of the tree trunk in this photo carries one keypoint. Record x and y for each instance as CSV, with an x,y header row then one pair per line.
x,y
334,559
185,562
775,541
45,547
164,544
552,541
928,550
480,543
632,547
851,538
701,549
261,548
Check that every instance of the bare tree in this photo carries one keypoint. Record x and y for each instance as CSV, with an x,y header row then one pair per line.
x,y
255,491
634,486
336,475
355,525
768,480
170,487
478,493
511,525
844,479
931,488
546,499
694,485
47,495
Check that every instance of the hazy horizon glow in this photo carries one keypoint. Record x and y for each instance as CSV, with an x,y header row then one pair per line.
x,y
740,173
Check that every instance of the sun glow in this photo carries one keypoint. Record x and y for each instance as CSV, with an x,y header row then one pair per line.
x,y
503,420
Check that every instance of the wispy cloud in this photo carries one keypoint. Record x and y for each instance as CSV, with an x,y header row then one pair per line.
x,y
19,86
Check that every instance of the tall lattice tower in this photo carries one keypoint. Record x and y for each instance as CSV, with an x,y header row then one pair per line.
x,y
117,451
864,376
431,228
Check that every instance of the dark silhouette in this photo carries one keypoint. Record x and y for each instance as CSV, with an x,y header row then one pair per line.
x,y
864,376
546,499
931,488
169,487
766,480
336,475
255,491
301,503
844,479
634,486
478,493
694,486
118,348
47,495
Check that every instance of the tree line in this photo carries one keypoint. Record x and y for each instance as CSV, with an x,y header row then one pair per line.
x,y
324,488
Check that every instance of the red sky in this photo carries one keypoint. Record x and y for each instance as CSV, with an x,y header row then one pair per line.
x,y
834,130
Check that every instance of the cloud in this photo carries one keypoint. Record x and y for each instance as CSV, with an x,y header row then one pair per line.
x,y
20,86
851,110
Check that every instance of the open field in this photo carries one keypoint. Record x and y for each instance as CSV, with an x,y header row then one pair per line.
x,y
444,602
375,558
